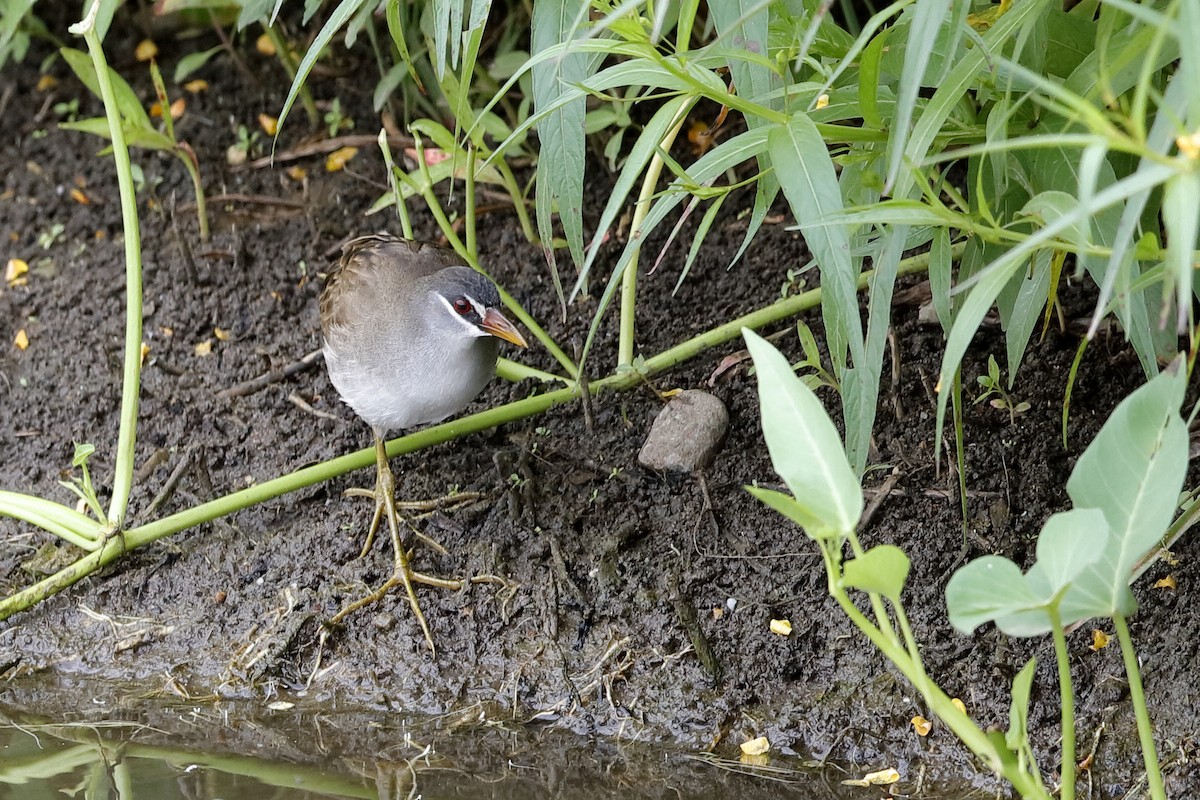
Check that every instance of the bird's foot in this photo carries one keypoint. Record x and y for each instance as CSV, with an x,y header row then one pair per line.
x,y
414,509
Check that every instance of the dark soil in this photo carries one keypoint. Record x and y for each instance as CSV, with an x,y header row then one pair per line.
x,y
609,559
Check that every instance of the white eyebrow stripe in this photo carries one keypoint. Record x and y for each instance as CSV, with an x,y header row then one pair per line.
x,y
471,327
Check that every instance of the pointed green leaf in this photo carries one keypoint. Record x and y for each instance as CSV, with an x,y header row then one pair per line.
x,y
1133,472
1018,712
805,447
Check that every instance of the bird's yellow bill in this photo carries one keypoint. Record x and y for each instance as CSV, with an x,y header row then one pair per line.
x,y
498,325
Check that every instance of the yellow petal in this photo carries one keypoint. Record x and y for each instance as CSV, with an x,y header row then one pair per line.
x,y
196,87
781,627
338,158
1165,583
823,101
204,348
221,333
1099,640
46,83
145,353
756,747
268,123
21,340
884,777
79,197
296,173
145,50
958,704
178,107
15,272
921,725
264,45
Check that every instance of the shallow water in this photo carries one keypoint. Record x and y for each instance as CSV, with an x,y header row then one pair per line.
x,y
83,740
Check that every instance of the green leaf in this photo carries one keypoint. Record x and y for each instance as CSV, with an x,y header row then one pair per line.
x,y
194,61
83,451
560,165
805,448
639,156
927,17
1133,472
337,20
883,569
984,590
1018,712
133,116
1181,216
810,184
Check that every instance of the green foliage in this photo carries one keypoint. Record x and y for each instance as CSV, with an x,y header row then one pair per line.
x,y
136,127
994,388
1124,488
83,486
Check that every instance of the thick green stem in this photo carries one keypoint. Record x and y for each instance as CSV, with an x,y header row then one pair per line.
x,y
132,375
1067,702
625,341
206,512
1137,696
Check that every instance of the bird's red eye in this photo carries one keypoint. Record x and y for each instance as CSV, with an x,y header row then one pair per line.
x,y
463,306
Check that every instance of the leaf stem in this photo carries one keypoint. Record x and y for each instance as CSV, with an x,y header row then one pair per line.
x,y
1067,701
1137,696
132,372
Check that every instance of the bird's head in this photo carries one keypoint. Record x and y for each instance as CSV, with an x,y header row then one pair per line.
x,y
473,303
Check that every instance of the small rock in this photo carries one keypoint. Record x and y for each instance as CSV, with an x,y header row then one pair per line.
x,y
686,434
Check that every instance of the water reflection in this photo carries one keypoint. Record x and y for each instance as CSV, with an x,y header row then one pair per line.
x,y
139,749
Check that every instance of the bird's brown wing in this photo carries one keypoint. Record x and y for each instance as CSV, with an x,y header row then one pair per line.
x,y
373,264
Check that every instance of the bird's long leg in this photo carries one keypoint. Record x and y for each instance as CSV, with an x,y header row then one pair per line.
x,y
385,505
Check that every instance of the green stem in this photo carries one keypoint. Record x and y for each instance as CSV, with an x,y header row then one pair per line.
x,y
939,703
1138,697
960,450
469,202
1067,701
514,371
401,208
114,547
625,340
514,191
132,373
188,157
284,54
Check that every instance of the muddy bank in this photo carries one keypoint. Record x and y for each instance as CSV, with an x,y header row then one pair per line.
x,y
610,565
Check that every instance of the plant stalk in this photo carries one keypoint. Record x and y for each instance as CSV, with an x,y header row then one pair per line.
x,y
1067,701
132,372
1137,696
625,340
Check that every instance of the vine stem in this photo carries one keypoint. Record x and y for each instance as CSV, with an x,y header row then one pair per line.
x,y
1067,703
1137,696
132,372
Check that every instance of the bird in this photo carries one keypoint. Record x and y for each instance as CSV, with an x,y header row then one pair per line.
x,y
410,337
